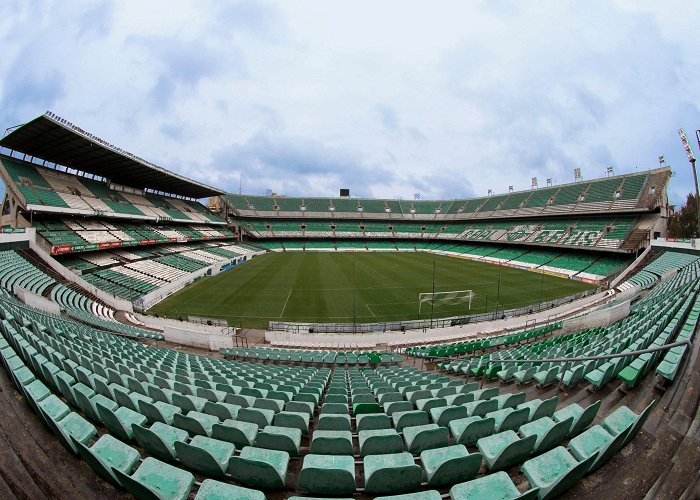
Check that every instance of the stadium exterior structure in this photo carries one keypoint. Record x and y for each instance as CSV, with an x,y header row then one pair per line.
x,y
114,218
83,372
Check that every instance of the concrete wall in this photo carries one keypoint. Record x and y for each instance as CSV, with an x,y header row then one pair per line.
x,y
162,323
36,301
602,317
197,338
691,244
628,272
152,298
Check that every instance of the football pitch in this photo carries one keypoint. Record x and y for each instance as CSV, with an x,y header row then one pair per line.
x,y
346,287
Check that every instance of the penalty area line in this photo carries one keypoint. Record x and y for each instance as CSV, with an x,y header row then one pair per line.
x,y
286,301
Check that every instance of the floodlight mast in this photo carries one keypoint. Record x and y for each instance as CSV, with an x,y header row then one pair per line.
x,y
691,159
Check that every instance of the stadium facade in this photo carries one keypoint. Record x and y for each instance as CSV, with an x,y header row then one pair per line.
x,y
92,235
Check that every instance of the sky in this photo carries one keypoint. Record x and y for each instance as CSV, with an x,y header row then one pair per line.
x,y
393,99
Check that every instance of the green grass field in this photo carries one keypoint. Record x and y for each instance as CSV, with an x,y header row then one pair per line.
x,y
341,287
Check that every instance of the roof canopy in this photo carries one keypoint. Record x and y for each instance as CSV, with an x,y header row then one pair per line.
x,y
56,140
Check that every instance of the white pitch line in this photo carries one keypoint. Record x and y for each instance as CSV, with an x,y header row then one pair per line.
x,y
285,302
370,310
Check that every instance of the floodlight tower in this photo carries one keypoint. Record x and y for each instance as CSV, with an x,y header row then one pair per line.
x,y
691,159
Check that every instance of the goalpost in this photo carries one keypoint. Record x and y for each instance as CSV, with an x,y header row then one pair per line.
x,y
450,298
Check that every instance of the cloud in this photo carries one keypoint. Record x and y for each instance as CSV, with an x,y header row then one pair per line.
x,y
390,121
180,65
27,94
450,102
297,166
96,20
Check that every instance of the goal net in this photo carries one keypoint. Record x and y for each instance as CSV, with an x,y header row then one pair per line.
x,y
446,298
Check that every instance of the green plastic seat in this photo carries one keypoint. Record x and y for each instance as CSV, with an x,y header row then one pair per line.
x,y
430,403
129,399
107,454
391,473
389,397
510,400
525,375
622,418
573,376
260,468
54,407
327,474
211,395
363,397
195,423
269,404
442,415
459,398
504,449
334,409
539,408
508,418
555,472
379,441
280,438
120,420
159,440
240,400
159,411
450,465
307,397
206,455
162,394
581,418
420,495
598,443
397,406
239,433
87,401
157,480
260,416
469,430
372,421
37,390
547,377
296,420
485,393
337,398
549,433
332,422
188,402
424,437
414,396
497,486
71,428
332,443
211,489
480,407
300,407
365,408
411,418
222,410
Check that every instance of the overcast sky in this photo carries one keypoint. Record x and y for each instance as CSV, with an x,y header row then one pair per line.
x,y
387,98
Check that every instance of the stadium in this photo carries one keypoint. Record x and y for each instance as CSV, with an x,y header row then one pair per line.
x,y
530,344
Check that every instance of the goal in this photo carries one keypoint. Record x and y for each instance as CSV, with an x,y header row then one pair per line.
x,y
449,298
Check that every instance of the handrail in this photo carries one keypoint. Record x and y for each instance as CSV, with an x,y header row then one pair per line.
x,y
566,361
599,356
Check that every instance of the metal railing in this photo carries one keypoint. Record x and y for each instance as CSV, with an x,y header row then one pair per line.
x,y
566,361
424,324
